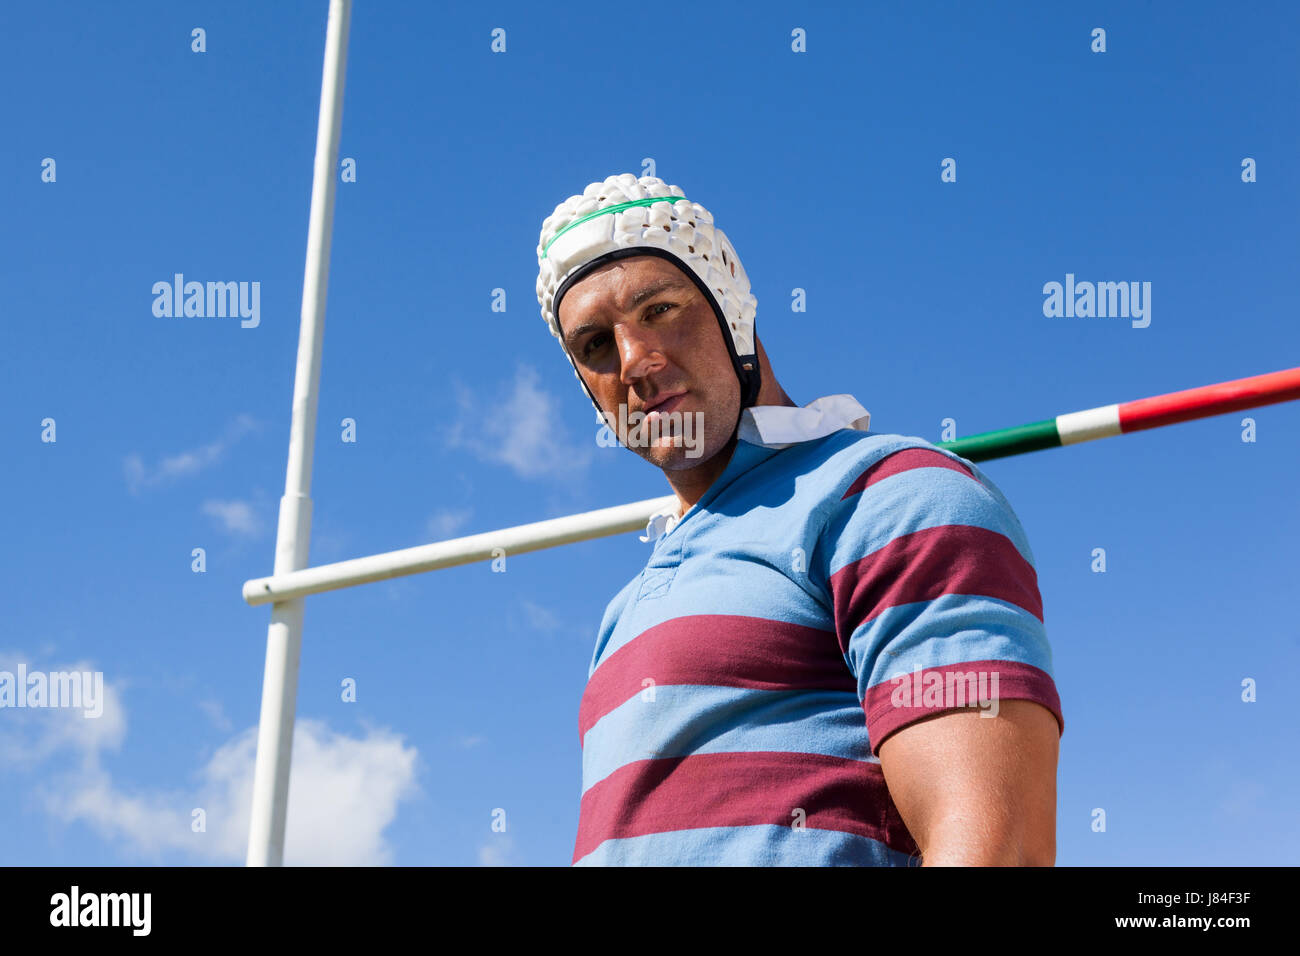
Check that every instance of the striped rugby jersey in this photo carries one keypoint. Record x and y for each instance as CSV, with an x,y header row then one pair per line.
x,y
820,596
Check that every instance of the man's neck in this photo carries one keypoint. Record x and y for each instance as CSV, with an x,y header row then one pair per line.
x,y
690,484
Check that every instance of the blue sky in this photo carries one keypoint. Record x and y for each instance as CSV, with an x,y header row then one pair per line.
x,y
924,300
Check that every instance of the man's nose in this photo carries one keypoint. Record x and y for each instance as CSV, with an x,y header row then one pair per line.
x,y
640,352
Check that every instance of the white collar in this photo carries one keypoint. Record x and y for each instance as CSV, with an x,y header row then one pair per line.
x,y
780,426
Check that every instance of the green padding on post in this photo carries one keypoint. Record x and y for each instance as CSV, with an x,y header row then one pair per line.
x,y
1008,441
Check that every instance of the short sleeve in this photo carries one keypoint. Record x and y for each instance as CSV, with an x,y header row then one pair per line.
x,y
934,591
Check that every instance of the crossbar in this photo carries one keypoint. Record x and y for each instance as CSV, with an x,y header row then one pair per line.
x,y
447,554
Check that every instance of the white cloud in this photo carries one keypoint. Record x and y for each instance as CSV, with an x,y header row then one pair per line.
x,y
541,618
217,714
519,429
343,794
497,851
473,740
343,791
235,517
185,463
445,523
31,736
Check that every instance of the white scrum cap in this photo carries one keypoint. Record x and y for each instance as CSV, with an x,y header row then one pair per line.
x,y
626,216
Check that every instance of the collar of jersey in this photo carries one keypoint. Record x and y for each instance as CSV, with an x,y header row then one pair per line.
x,y
771,428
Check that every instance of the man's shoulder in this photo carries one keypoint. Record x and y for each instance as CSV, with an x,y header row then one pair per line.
x,y
889,484
618,602
846,461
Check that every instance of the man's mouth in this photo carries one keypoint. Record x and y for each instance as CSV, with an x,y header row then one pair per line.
x,y
664,405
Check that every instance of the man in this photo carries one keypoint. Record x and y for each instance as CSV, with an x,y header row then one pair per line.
x,y
836,652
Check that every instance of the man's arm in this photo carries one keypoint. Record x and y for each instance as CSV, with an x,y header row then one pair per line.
x,y
975,790
934,589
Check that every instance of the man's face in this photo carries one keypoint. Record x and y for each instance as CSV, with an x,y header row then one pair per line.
x,y
643,336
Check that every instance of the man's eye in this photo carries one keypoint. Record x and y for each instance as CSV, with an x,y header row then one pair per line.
x,y
596,342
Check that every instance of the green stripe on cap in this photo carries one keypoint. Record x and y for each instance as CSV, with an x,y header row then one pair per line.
x,y
609,209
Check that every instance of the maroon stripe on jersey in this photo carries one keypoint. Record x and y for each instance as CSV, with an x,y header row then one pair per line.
x,y
718,650
924,565
901,461
895,703
741,789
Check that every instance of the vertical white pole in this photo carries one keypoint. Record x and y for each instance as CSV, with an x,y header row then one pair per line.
x,y
284,637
